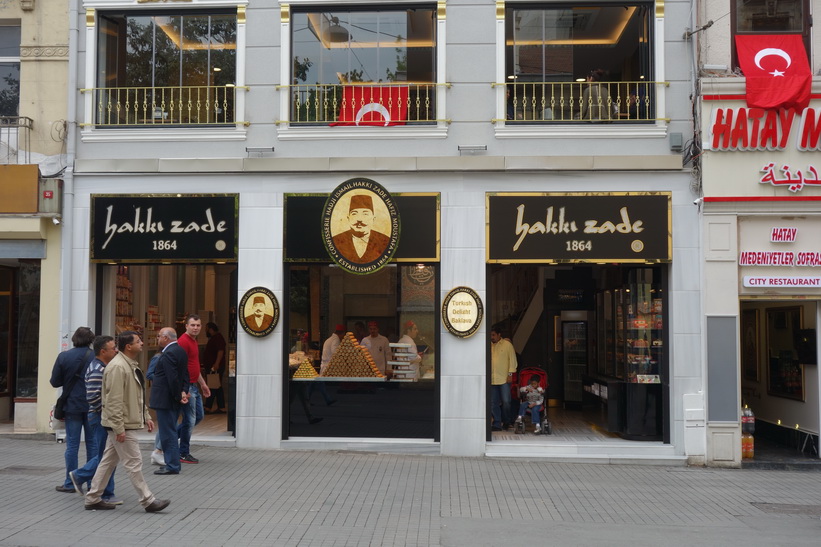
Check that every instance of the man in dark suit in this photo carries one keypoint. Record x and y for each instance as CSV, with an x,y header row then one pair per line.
x,y
167,394
361,244
259,320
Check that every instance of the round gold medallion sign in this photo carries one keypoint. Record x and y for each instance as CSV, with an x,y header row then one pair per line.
x,y
258,312
462,312
360,226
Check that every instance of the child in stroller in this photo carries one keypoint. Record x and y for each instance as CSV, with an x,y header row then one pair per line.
x,y
532,400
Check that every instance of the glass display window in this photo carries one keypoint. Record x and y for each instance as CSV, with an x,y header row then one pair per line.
x,y
359,344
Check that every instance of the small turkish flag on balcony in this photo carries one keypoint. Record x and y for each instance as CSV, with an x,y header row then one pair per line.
x,y
777,71
377,105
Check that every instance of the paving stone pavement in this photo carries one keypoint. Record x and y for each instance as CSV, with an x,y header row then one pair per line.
x,y
335,498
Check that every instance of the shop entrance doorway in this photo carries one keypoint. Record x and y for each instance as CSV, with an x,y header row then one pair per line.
x,y
779,377
599,332
146,298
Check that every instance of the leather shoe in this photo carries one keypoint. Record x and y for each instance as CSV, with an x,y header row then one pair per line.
x,y
62,488
99,505
157,505
165,471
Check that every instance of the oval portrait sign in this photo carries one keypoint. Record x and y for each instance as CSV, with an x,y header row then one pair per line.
x,y
360,226
462,312
258,312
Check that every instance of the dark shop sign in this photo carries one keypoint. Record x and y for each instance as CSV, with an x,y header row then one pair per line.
x,y
164,228
305,239
579,227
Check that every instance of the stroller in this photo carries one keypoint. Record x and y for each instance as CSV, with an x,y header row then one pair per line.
x,y
524,377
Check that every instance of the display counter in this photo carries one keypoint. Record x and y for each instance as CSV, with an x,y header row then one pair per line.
x,y
630,409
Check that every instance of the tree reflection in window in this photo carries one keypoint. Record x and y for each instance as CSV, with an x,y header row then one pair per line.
x,y
164,50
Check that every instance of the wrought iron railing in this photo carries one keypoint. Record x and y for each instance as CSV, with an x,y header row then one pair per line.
x,y
15,139
551,102
163,106
390,103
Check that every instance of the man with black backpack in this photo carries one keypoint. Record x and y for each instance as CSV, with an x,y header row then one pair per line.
x,y
69,373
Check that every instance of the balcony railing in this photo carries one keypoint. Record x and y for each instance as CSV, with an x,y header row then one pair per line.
x,y
564,102
163,106
15,140
389,103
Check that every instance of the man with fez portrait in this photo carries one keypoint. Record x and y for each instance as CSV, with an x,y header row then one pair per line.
x,y
361,244
258,320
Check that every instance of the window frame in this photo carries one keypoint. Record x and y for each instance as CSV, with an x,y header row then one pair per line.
x,y
572,130
13,60
806,28
91,132
288,131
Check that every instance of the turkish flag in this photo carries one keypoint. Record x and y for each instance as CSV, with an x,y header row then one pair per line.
x,y
777,71
373,105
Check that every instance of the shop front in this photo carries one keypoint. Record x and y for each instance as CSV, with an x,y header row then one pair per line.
x,y
579,283
762,272
160,258
361,328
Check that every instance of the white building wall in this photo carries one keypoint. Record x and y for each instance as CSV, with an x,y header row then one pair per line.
x,y
599,158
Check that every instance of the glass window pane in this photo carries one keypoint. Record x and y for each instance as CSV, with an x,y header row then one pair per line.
x,y
28,327
168,68
768,16
166,52
552,51
9,89
336,48
9,41
397,303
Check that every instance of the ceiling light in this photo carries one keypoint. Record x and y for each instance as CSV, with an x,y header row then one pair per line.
x,y
336,33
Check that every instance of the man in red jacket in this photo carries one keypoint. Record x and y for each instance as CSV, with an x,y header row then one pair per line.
x,y
193,412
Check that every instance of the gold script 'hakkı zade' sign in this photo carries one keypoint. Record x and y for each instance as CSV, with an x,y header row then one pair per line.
x,y
462,312
360,226
579,227
164,228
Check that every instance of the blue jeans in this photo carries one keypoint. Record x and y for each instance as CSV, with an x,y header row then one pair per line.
x,y
167,433
86,472
75,425
535,412
192,414
500,404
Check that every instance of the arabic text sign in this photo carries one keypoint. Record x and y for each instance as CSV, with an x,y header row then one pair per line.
x,y
164,228
579,227
793,180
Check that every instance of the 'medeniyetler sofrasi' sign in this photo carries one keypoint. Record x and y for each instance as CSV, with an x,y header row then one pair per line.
x,y
579,227
164,228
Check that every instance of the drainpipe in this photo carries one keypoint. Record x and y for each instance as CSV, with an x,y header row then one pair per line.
x,y
66,313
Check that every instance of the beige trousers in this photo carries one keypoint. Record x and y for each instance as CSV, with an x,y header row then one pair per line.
x,y
129,453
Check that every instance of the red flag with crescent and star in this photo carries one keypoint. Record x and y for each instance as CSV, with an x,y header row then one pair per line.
x,y
373,105
777,70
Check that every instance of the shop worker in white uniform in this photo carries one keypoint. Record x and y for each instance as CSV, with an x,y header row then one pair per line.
x,y
378,346
330,346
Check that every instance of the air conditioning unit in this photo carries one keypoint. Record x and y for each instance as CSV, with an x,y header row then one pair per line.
x,y
50,199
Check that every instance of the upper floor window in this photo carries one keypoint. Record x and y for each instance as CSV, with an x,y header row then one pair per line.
x,y
771,17
9,70
166,68
363,66
576,62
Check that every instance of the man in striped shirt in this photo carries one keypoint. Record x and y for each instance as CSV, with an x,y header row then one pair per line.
x,y
105,350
